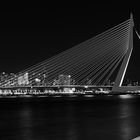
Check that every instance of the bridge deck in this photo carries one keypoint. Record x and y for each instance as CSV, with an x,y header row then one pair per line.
x,y
56,86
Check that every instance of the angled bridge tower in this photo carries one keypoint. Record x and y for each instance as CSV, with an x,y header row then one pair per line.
x,y
120,76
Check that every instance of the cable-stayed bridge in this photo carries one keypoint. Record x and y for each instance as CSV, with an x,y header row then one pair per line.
x,y
93,62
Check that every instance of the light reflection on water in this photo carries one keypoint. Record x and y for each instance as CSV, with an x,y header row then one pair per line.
x,y
99,118
71,133
25,122
126,119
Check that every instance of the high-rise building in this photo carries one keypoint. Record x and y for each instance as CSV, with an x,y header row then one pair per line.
x,y
64,79
23,79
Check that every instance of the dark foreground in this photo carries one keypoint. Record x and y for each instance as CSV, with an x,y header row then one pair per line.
x,y
85,118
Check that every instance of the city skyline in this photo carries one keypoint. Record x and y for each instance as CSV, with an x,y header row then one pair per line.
x,y
37,34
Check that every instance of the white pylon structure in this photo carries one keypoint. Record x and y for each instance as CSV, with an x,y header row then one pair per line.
x,y
120,76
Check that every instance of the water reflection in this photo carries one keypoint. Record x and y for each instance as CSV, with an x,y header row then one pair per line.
x,y
126,118
48,121
25,123
101,118
72,132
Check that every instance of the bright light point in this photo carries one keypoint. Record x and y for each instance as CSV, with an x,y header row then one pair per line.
x,y
125,96
89,95
37,80
86,86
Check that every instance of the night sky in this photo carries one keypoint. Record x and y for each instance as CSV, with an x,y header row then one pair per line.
x,y
31,35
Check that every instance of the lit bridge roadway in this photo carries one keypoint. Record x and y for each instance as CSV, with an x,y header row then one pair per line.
x,y
59,86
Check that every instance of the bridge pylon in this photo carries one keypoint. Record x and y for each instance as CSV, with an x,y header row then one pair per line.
x,y
120,76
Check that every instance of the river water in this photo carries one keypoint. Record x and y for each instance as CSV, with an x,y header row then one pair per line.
x,y
96,118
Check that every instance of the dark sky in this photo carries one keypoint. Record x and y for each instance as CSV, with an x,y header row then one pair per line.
x,y
30,35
